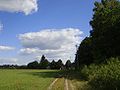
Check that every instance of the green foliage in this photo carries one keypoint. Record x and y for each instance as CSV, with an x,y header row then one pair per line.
x,y
106,30
53,65
84,53
59,64
56,65
104,76
68,64
33,65
104,39
44,63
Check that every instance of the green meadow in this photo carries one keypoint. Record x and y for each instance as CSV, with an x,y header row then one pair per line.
x,y
26,79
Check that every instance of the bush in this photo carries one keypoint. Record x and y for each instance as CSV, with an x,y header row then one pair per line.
x,y
104,76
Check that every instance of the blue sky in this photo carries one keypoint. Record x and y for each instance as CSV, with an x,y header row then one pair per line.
x,y
50,14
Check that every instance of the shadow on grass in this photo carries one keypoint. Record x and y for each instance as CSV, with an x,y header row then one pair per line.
x,y
46,73
74,75
69,74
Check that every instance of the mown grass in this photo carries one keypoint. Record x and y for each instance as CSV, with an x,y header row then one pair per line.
x,y
26,79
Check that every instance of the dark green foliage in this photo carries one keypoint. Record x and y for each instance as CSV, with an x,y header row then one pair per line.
x,y
68,64
59,64
84,53
101,71
106,30
105,76
33,65
104,39
53,65
44,63
56,65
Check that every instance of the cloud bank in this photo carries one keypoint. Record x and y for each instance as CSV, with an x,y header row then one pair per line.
x,y
25,6
6,48
8,61
54,43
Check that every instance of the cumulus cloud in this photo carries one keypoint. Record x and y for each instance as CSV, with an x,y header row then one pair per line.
x,y
54,43
1,26
6,48
25,6
51,39
27,51
8,60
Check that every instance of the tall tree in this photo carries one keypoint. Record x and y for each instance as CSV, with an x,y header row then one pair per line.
x,y
84,53
53,65
59,64
44,63
106,30
104,39
68,64
33,65
42,58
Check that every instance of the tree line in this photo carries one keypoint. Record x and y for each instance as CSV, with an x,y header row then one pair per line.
x,y
102,43
42,64
98,55
45,64
104,39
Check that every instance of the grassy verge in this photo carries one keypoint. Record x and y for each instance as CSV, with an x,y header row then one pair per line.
x,y
104,76
97,77
76,81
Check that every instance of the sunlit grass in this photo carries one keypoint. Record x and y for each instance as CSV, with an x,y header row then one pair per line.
x,y
59,85
26,79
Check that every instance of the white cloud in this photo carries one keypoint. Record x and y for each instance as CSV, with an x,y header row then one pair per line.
x,y
27,51
6,48
25,6
1,26
54,43
8,61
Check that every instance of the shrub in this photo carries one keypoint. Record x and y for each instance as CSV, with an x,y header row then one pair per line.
x,y
104,76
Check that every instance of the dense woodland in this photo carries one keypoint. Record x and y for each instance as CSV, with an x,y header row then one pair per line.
x,y
98,56
104,39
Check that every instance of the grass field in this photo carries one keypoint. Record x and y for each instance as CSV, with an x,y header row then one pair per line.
x,y
26,79
15,79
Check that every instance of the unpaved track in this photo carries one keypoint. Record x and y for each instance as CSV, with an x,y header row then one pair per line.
x,y
50,87
66,84
71,85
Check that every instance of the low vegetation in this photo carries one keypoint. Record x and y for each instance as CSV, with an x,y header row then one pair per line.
x,y
104,76
26,79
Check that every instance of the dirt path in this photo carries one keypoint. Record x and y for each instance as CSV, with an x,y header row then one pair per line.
x,y
50,87
66,84
71,85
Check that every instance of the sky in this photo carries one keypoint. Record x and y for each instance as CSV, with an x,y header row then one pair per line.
x,y
31,28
